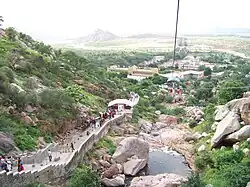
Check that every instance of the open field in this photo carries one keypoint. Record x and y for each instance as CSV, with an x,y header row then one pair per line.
x,y
221,43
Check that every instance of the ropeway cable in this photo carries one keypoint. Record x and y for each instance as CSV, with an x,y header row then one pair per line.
x,y
176,30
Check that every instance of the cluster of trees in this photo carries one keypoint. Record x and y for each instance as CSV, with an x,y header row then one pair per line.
x,y
221,58
121,58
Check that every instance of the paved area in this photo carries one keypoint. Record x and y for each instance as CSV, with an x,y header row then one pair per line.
x,y
65,150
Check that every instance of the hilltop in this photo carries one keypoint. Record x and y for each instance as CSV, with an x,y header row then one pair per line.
x,y
97,35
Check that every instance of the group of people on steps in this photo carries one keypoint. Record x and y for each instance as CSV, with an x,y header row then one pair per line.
x,y
7,165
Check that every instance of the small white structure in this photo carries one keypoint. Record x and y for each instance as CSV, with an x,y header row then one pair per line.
x,y
120,102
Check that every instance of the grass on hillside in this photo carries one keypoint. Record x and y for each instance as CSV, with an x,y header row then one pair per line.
x,y
106,143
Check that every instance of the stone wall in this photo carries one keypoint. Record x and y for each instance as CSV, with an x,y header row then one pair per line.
x,y
52,172
39,155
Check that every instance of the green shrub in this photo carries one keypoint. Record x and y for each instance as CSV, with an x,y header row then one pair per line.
x,y
209,112
192,123
194,180
203,160
169,99
227,157
84,176
205,126
25,136
173,111
106,143
234,175
6,74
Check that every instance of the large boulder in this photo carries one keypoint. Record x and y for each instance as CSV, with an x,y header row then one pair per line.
x,y
119,180
245,113
118,130
221,113
237,104
104,163
110,172
248,184
159,125
225,127
6,143
170,120
239,135
145,126
240,105
133,166
129,147
160,180
191,137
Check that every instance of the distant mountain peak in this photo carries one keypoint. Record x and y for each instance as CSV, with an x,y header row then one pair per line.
x,y
97,35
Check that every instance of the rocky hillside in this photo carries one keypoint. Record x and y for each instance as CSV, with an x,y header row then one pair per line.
x,y
223,144
97,35
44,91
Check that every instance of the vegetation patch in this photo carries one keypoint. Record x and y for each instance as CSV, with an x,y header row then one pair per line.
x,y
106,143
84,176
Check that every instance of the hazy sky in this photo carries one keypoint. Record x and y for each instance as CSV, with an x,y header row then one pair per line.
x,y
53,19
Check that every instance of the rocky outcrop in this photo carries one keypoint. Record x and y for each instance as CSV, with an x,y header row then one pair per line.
x,y
236,105
159,125
225,127
170,120
239,135
190,137
26,119
104,163
145,126
221,113
195,113
161,180
117,181
6,143
41,143
245,113
110,172
129,147
118,130
133,166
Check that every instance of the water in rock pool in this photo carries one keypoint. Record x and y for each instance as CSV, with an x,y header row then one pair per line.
x,y
163,161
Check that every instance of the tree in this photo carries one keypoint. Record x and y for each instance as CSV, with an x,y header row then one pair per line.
x,y
230,90
202,67
204,91
84,176
11,33
1,21
207,71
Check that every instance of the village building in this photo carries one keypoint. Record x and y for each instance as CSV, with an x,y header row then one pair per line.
x,y
188,63
184,74
134,72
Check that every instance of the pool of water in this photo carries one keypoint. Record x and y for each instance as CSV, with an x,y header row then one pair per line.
x,y
163,161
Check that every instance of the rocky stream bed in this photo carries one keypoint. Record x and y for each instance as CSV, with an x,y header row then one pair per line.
x,y
159,153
